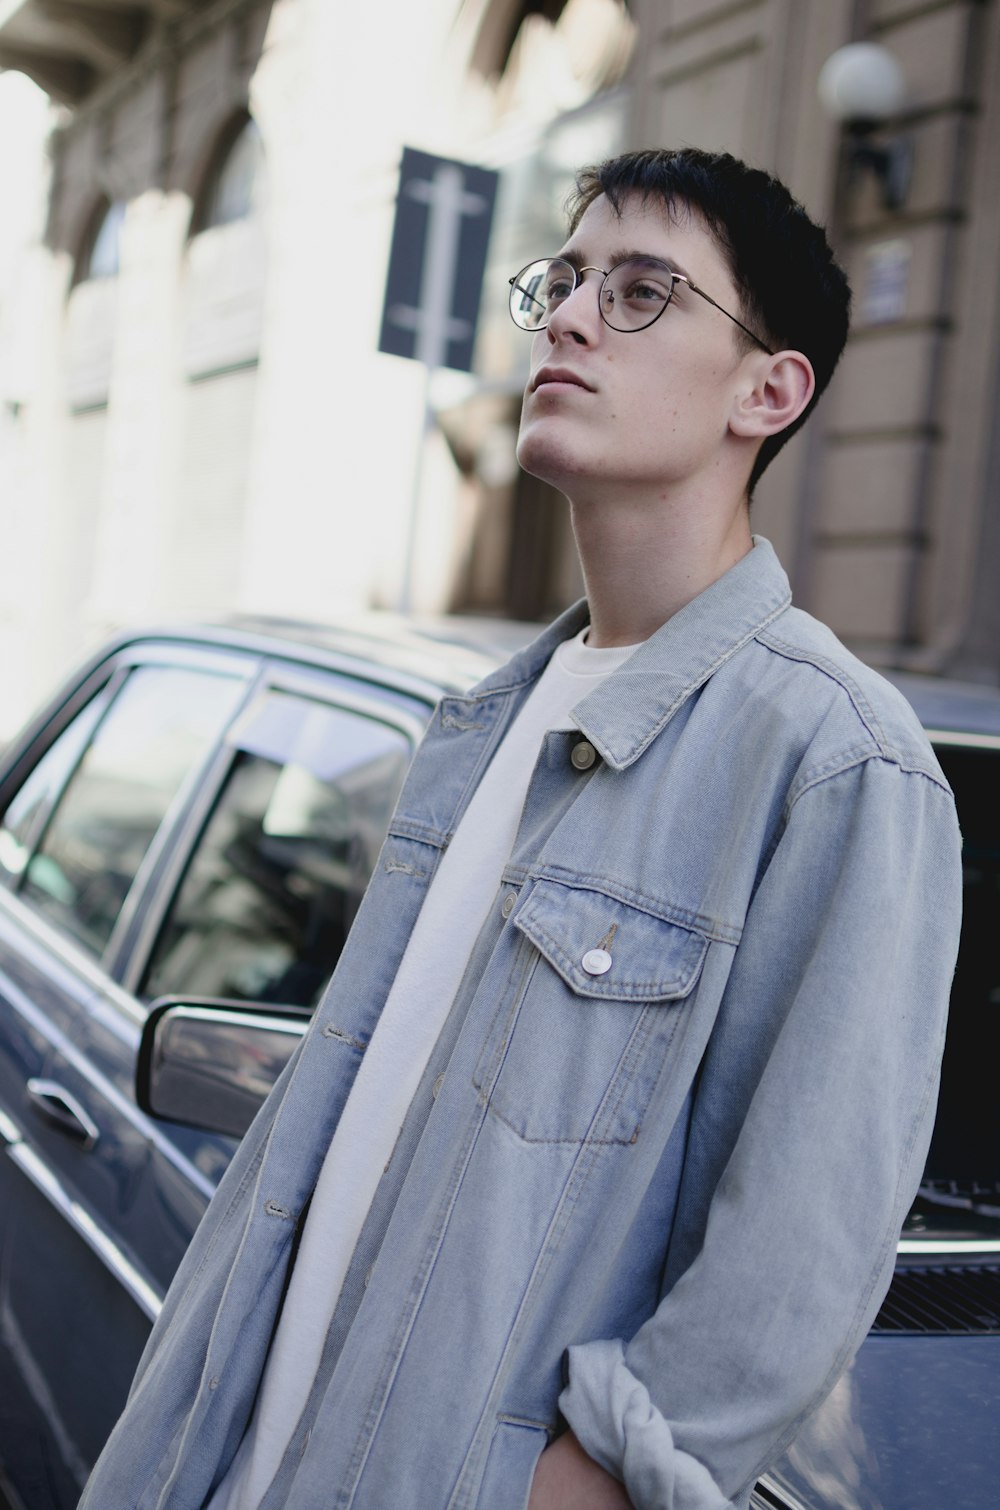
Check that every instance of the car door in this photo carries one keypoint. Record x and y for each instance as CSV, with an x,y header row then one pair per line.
x,y
247,894
255,900
77,838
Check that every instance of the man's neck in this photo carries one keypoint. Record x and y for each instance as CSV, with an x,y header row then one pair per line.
x,y
642,563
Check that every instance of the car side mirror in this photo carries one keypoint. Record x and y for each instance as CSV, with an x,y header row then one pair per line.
x,y
210,1063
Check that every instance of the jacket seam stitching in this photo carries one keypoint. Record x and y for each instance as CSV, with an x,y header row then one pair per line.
x,y
703,676
666,991
841,770
866,713
714,929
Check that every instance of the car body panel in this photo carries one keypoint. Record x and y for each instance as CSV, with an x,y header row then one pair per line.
x,y
896,1433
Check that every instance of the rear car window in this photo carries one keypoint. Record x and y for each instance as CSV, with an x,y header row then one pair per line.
x,y
280,869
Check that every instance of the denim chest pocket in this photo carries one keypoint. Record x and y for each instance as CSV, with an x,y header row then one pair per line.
x,y
574,1057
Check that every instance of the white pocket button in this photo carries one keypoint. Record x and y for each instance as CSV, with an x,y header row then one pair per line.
x,y
596,962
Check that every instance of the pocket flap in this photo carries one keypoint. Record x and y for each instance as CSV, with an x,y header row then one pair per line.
x,y
651,959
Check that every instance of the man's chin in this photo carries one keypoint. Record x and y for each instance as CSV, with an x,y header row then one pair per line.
x,y
542,457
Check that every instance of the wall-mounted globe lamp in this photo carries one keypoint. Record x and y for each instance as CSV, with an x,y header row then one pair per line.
x,y
862,86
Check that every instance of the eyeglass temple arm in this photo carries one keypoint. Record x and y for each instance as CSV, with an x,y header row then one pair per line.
x,y
682,278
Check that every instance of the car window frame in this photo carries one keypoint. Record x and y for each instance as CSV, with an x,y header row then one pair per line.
x,y
390,706
106,693
44,734
105,680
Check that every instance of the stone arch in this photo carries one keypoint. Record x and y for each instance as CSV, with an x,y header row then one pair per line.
x,y
212,165
96,224
600,32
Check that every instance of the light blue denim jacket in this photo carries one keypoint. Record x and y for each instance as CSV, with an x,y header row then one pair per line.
x,y
677,1184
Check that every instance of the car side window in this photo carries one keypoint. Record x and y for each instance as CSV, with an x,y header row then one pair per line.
x,y
963,1164
25,814
282,864
159,727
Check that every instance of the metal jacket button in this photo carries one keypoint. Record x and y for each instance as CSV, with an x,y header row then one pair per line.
x,y
596,962
507,905
583,755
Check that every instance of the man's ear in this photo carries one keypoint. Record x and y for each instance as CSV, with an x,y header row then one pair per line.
x,y
775,394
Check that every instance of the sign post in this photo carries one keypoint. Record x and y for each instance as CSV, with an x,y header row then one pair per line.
x,y
444,211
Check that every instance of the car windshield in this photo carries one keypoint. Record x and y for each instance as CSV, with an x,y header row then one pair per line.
x,y
960,1194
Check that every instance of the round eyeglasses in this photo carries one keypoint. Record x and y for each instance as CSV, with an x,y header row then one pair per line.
x,y
632,295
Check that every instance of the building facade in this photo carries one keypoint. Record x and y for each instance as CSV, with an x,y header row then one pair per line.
x,y
194,415
885,507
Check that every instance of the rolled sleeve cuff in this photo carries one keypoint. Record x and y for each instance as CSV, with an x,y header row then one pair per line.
x,y
616,1422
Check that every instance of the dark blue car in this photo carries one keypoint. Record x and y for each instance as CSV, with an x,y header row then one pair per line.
x,y
185,834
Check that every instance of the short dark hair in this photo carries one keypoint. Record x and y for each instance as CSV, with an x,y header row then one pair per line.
x,y
792,291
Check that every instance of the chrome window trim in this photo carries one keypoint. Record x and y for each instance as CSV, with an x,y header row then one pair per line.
x,y
954,739
304,682
190,654
160,885
955,1247
146,1296
170,824
779,1497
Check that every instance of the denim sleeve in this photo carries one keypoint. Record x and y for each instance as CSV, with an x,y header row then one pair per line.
x,y
825,1060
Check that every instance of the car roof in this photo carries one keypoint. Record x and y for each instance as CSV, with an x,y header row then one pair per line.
x,y
950,706
453,651
426,655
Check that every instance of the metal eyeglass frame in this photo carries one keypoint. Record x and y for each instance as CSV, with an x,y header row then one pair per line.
x,y
675,278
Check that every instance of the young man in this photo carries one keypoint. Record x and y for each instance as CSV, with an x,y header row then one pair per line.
x,y
647,993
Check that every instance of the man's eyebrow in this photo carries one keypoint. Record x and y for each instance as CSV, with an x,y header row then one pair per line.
x,y
624,254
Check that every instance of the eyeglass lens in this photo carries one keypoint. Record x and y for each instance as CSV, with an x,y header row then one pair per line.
x,y
632,295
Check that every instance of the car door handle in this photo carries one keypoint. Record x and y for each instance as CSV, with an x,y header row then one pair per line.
x,y
64,1111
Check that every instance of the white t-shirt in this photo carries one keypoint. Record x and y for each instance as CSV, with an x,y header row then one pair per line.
x,y
429,974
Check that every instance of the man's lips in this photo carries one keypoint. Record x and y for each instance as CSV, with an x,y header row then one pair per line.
x,y
558,375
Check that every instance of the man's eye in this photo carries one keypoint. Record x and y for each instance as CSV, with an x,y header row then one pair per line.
x,y
642,291
558,289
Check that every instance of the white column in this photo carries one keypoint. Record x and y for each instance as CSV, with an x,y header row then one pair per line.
x,y
339,423
142,443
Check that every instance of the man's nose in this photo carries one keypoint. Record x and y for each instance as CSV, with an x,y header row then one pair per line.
x,y
578,317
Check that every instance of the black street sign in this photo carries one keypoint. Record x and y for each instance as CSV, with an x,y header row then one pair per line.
x,y
444,210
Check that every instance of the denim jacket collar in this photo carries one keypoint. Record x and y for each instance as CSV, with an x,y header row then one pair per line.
x,y
634,704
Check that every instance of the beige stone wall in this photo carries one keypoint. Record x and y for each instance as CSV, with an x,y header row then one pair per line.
x,y
884,506
740,77
902,493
